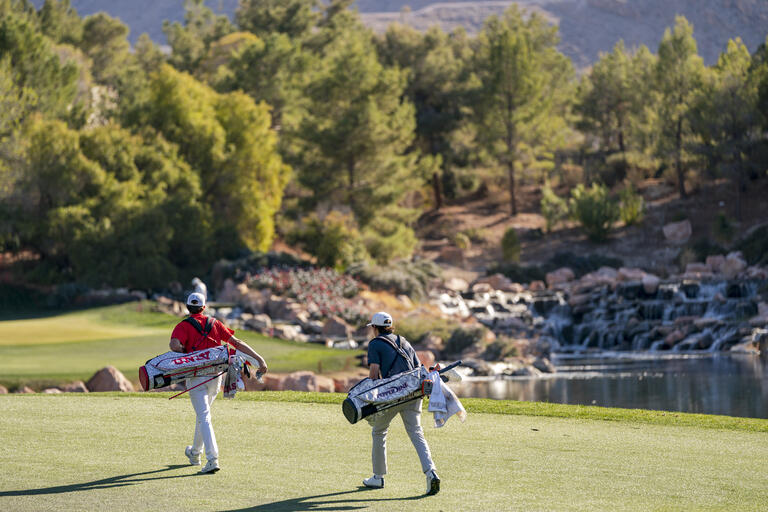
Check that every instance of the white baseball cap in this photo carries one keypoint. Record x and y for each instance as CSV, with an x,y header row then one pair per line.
x,y
196,299
381,319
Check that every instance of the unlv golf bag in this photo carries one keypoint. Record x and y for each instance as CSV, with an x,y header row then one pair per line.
x,y
172,367
368,397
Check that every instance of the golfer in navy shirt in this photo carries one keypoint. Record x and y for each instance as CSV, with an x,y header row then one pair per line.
x,y
384,361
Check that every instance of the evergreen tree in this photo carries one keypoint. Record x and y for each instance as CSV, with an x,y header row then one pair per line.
x,y
679,72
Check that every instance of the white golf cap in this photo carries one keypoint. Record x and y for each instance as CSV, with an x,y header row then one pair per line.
x,y
381,319
196,299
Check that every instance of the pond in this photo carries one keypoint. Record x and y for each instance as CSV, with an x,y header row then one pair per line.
x,y
708,383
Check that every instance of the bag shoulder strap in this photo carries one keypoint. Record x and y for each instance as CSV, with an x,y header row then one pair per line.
x,y
398,348
204,331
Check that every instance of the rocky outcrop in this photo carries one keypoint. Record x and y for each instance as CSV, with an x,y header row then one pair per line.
x,y
678,233
307,381
108,378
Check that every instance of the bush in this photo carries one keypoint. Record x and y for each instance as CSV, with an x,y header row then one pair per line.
x,y
461,241
500,348
754,246
387,239
334,240
416,328
518,273
594,210
510,246
723,228
463,338
553,207
475,235
411,278
631,206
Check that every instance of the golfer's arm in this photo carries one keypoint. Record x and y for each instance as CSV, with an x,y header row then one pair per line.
x,y
176,345
374,372
245,349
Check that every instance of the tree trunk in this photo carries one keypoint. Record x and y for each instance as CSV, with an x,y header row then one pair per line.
x,y
437,189
678,158
512,200
351,179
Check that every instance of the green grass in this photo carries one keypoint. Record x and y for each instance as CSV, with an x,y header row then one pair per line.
x,y
111,452
52,350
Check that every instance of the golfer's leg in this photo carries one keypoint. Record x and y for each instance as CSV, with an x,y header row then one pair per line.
x,y
198,404
411,415
201,402
379,435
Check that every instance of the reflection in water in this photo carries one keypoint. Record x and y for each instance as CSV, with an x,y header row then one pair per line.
x,y
709,384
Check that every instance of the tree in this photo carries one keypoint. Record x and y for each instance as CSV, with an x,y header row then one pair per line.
x,y
105,41
227,140
293,18
191,41
523,79
726,117
679,72
60,22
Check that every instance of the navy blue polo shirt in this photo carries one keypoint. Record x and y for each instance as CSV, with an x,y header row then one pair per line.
x,y
388,359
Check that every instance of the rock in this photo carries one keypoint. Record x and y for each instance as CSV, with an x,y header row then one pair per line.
x,y
698,268
456,284
452,256
544,365
405,301
478,366
733,265
260,322
525,371
426,357
747,347
253,302
307,381
337,327
273,382
231,292
630,274
433,342
673,337
715,262
108,378
345,345
650,284
252,384
560,276
537,286
286,332
481,288
3,390
24,390
52,391
678,232
579,300
501,282
75,387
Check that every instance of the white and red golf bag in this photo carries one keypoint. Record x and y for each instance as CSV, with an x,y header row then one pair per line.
x,y
172,367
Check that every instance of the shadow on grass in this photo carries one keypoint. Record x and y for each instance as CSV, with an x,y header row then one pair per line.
x,y
105,483
312,503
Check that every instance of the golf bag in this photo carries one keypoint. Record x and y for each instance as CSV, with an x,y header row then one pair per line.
x,y
172,367
369,397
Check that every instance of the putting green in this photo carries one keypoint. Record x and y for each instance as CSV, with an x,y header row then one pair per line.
x,y
126,453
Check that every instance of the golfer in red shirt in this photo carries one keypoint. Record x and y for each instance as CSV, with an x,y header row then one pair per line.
x,y
198,332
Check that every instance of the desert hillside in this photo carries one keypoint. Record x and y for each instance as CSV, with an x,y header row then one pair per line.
x,y
587,26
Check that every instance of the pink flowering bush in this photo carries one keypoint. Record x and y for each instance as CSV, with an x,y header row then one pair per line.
x,y
324,291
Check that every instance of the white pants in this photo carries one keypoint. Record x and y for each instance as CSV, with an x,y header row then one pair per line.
x,y
202,397
411,414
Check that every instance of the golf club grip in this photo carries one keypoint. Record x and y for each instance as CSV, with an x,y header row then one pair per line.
x,y
449,367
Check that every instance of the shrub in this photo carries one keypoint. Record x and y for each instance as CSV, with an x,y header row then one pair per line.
x,y
553,207
416,328
387,239
518,273
631,206
461,241
501,348
754,246
594,210
510,246
723,228
475,235
334,240
463,338
410,278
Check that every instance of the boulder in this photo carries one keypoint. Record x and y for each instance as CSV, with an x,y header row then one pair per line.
x,y
482,287
260,322
273,382
673,337
426,357
456,284
337,327
544,365
698,268
108,378
231,292
24,390
75,387
733,265
287,332
579,300
452,256
524,371
3,390
253,301
501,282
715,262
537,286
52,391
307,381
630,274
560,276
678,233
650,284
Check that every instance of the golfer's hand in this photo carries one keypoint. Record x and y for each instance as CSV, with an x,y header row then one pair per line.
x,y
263,369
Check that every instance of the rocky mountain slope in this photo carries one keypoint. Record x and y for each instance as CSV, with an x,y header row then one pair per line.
x,y
588,27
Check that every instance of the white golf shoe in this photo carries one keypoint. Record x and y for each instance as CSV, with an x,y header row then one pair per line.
x,y
433,483
374,482
211,467
194,458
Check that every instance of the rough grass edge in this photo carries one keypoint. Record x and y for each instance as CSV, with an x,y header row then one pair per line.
x,y
504,407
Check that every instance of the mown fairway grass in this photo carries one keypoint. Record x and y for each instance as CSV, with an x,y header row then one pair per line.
x,y
283,452
55,349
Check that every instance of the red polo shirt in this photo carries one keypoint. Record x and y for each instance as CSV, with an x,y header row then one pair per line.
x,y
192,340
